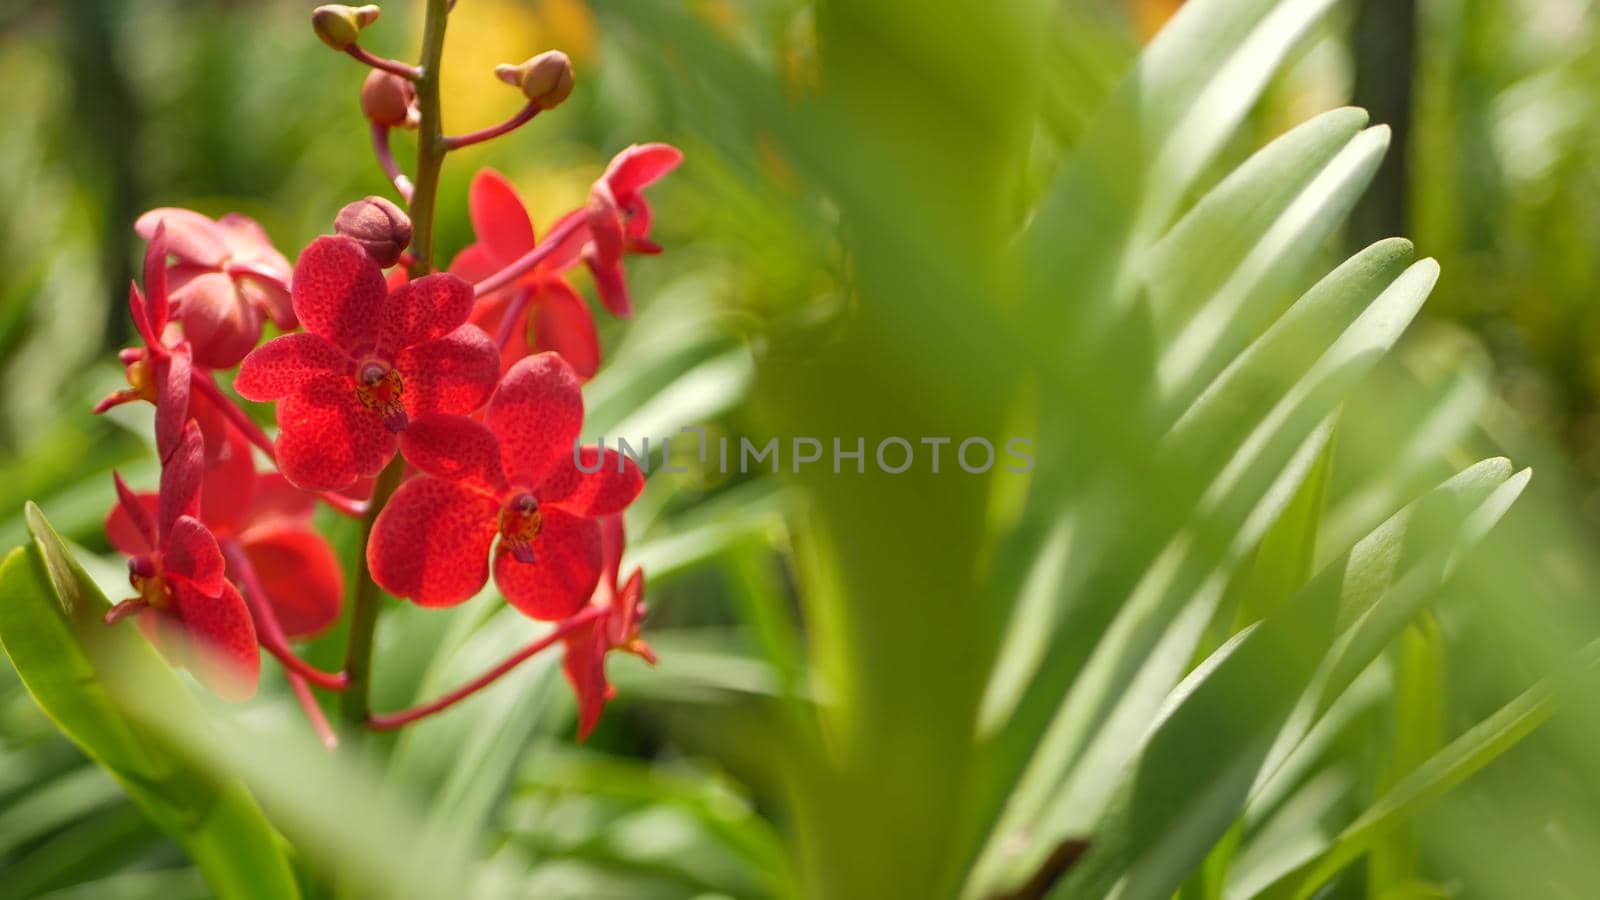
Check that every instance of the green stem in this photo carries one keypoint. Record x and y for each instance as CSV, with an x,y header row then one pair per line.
x,y
430,140
356,701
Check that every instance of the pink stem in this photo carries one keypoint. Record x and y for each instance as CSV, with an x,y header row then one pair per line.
x,y
523,117
391,721
348,506
388,65
508,324
380,146
270,633
234,414
527,261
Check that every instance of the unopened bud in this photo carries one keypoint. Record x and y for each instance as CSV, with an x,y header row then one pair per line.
x,y
379,226
388,99
545,80
339,26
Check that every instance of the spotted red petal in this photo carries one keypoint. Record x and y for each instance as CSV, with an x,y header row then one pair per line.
x,y
611,283
181,474
174,375
454,374
562,323
191,237
423,310
565,569
191,553
601,483
338,291
220,325
498,217
327,439
454,448
283,365
641,165
131,524
300,576
221,644
431,542
536,413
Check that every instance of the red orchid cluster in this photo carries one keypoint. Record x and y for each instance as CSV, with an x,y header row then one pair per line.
x,y
443,408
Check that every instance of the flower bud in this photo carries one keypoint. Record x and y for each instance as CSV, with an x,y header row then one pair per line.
x,y
388,99
379,226
545,80
339,26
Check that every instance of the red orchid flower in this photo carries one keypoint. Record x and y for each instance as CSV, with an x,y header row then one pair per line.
x,y
616,629
619,218
369,363
542,297
513,476
227,277
269,521
190,611
160,372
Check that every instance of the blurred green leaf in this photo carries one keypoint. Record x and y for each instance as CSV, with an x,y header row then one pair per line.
x,y
78,670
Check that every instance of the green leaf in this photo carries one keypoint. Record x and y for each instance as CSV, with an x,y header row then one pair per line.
x,y
1458,761
1203,757
1166,123
82,673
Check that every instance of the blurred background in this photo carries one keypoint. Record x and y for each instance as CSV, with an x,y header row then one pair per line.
x,y
112,108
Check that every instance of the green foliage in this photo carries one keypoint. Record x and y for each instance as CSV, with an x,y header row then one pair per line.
x,y
1245,621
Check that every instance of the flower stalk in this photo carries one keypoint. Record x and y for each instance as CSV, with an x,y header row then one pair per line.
x,y
394,720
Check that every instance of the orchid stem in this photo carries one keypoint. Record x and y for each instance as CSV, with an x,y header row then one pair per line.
x,y
364,607
523,117
430,138
380,147
508,325
272,638
393,66
367,598
528,260
391,721
235,416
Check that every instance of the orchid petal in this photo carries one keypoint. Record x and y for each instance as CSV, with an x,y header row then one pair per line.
x,y
498,217
453,374
431,542
338,292
285,364
299,575
423,310
454,448
536,413
327,439
565,569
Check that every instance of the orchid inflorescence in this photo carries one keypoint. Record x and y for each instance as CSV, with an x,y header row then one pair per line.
x,y
442,408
